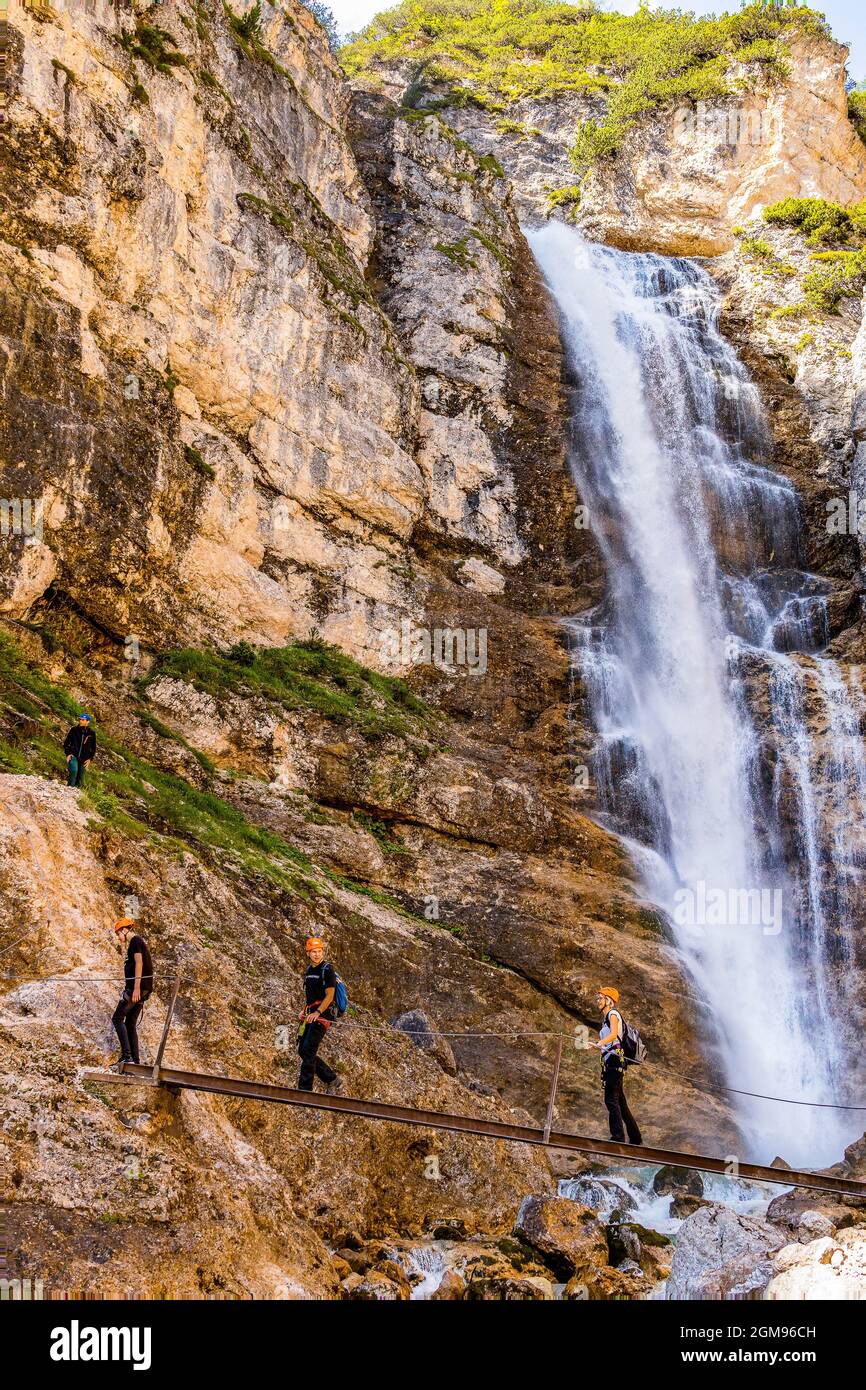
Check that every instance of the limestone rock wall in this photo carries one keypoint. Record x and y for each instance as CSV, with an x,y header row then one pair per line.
x,y
685,177
225,428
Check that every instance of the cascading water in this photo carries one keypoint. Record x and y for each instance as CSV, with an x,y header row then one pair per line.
x,y
708,618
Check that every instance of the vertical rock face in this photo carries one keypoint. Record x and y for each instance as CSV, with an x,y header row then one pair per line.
x,y
224,426
455,276
684,181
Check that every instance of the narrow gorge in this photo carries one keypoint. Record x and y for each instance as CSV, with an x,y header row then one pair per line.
x,y
434,464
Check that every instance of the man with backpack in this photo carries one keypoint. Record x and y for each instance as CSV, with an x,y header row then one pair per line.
x,y
619,1044
322,1008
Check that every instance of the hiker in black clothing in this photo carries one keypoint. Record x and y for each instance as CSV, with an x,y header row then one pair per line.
x,y
613,1068
80,749
320,988
138,984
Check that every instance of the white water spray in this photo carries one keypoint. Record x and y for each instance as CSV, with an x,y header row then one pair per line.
x,y
707,604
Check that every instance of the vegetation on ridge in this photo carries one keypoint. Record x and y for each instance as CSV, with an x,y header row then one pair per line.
x,y
839,270
306,675
494,52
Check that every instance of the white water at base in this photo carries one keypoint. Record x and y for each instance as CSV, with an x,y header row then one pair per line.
x,y
707,602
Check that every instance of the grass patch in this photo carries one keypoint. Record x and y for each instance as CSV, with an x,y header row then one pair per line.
x,y
383,834
130,793
197,461
457,252
306,675
762,252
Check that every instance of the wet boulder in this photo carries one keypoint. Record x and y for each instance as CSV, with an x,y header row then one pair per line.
x,y
721,1254
569,1238
374,1287
678,1181
451,1287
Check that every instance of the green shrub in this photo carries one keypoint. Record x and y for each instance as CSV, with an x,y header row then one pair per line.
x,y
824,223
154,46
857,112
836,274
836,279
564,197
495,52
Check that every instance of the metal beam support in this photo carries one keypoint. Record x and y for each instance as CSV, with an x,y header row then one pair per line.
x,y
487,1129
164,1039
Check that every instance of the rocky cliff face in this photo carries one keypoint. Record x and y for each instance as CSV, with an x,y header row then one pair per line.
x,y
685,175
276,359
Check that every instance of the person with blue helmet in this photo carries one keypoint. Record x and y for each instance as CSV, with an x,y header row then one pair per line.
x,y
80,749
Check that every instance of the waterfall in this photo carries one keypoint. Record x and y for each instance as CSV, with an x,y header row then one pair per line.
x,y
701,668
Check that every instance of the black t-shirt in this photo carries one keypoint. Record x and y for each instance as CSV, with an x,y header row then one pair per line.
x,y
138,947
317,981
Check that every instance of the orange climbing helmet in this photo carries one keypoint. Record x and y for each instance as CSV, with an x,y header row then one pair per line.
x,y
124,922
312,942
610,993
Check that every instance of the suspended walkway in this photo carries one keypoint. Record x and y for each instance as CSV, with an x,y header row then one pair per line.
x,y
133,1074
468,1124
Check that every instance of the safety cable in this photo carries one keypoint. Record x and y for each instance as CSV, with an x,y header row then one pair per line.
x,y
437,1033
423,1032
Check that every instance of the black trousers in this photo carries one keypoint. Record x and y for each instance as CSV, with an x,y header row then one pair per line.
x,y
311,1065
125,1019
612,1070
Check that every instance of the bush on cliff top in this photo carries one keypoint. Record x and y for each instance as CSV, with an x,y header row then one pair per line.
x,y
840,272
498,51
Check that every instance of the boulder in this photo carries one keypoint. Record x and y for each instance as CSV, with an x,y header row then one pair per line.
x,y
568,1237
418,1026
511,1289
451,1287
627,1282
854,1162
721,1254
686,1205
678,1180
813,1225
832,1268
374,1287
788,1210
396,1273
449,1230
603,1195
629,1242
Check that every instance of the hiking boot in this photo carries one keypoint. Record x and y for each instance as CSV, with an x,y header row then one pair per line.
x,y
335,1087
120,1064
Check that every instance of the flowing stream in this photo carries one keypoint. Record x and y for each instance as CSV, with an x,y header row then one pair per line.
x,y
728,753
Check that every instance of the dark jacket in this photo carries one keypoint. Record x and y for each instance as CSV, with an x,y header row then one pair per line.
x,y
80,743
